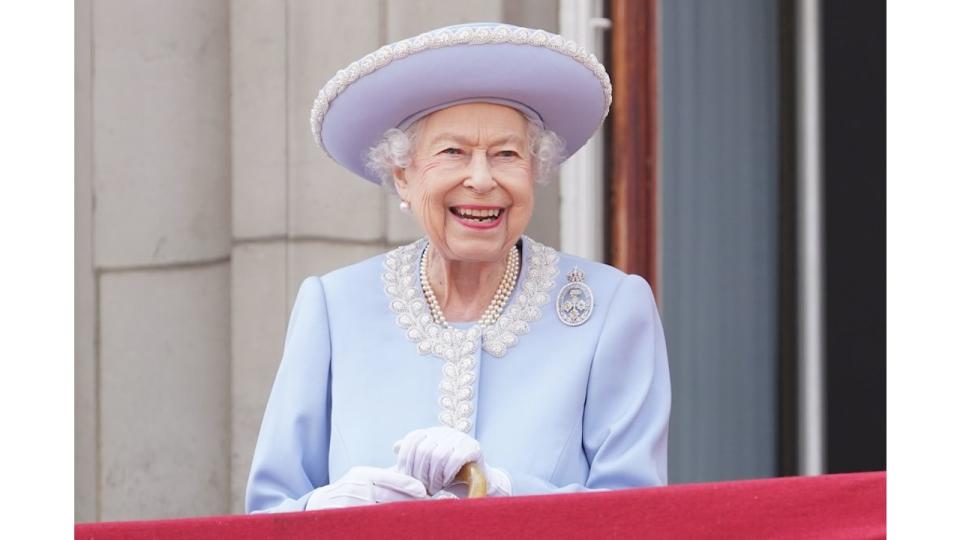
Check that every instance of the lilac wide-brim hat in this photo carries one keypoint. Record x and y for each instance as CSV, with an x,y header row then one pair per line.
x,y
551,80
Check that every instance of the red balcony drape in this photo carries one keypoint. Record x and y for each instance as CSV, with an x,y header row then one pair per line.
x,y
831,506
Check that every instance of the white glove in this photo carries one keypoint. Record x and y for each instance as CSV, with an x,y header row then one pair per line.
x,y
366,485
435,455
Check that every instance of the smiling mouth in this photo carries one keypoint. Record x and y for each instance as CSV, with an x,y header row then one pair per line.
x,y
477,215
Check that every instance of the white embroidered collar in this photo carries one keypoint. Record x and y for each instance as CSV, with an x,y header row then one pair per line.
x,y
454,345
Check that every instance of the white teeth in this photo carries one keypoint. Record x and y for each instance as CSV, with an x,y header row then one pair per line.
x,y
476,213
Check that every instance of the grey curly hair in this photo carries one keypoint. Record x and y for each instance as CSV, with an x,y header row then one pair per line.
x,y
395,149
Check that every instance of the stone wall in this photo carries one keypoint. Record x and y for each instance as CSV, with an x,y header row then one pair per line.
x,y
202,203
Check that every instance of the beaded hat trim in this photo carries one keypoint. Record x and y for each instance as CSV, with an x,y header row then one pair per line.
x,y
468,35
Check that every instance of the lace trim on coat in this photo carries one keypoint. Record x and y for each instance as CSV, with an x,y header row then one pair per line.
x,y
455,346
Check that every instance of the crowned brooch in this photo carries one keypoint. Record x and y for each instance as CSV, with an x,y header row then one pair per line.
x,y
575,301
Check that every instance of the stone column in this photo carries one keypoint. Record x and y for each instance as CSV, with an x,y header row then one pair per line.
x,y
258,47
333,218
161,247
85,362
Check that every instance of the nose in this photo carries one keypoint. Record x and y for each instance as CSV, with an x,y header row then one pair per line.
x,y
480,177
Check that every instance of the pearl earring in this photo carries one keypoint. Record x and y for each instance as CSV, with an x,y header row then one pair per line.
x,y
404,206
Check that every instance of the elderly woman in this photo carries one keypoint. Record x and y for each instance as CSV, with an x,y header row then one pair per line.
x,y
475,344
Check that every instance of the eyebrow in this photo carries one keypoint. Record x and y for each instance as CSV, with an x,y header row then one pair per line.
x,y
466,141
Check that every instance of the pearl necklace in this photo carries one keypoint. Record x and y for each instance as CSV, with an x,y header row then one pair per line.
x,y
493,311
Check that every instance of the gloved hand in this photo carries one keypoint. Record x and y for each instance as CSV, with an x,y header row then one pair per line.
x,y
435,455
366,485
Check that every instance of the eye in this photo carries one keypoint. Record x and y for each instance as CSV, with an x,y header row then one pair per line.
x,y
452,151
507,153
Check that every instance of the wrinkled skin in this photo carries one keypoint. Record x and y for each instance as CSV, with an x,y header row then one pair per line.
x,y
469,154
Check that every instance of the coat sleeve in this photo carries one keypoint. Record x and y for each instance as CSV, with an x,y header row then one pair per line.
x,y
290,459
627,408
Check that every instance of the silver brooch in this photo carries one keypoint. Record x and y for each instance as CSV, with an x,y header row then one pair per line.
x,y
575,301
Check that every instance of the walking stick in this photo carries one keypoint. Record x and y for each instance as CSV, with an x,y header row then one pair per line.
x,y
472,474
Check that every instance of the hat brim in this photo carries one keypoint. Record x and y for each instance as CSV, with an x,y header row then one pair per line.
x,y
567,96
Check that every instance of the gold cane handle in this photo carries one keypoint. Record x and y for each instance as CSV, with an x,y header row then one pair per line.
x,y
472,474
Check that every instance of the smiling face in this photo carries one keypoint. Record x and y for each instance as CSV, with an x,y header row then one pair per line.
x,y
470,182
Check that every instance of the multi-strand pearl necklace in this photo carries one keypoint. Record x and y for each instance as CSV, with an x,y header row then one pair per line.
x,y
493,311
